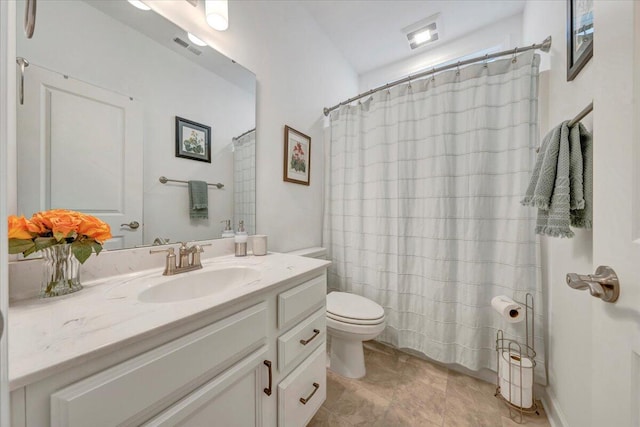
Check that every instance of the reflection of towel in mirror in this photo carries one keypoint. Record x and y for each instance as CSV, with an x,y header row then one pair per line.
x,y
198,200
561,186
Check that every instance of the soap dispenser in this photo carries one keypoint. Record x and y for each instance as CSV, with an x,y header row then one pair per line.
x,y
241,240
228,231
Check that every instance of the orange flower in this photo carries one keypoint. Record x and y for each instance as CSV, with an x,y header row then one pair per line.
x,y
94,229
64,225
19,228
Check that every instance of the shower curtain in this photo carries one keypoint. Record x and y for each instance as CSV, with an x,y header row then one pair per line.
x,y
422,212
244,181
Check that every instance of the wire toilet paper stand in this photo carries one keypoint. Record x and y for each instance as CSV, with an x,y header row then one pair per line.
x,y
517,357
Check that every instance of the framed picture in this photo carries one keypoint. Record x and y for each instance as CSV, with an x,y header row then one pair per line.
x,y
297,156
193,140
579,35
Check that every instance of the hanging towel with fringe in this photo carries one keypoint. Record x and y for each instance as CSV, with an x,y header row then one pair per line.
x,y
561,185
198,200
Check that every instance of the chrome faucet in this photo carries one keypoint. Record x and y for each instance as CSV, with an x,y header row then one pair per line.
x,y
183,263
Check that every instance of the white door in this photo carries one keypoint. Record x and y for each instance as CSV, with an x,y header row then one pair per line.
x,y
80,148
615,383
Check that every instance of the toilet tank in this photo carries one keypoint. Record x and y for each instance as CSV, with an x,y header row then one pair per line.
x,y
314,252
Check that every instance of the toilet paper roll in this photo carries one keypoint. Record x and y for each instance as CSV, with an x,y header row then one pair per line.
x,y
508,308
509,368
512,394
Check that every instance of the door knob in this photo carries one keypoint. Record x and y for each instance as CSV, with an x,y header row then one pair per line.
x,y
132,225
604,284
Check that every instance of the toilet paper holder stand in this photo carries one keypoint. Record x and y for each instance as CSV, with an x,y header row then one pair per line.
x,y
517,352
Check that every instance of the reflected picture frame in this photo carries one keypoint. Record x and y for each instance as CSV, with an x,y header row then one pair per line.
x,y
580,31
297,157
193,140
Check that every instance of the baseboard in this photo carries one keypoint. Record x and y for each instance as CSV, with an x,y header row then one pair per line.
x,y
552,408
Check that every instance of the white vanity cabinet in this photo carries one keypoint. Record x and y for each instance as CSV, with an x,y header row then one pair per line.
x,y
210,371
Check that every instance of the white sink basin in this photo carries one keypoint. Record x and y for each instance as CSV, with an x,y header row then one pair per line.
x,y
199,284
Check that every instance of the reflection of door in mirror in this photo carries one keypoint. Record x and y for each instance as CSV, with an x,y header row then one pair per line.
x,y
76,141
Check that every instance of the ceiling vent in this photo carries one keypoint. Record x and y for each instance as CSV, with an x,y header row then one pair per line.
x,y
423,32
187,46
181,42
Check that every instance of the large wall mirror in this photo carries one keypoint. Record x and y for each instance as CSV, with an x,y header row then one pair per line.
x,y
97,126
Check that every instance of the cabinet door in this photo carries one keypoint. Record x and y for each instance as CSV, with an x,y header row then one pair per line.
x,y
231,399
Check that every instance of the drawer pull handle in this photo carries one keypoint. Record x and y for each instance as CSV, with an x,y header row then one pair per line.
x,y
267,390
315,334
304,401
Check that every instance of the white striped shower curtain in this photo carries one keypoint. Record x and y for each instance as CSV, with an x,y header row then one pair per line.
x,y
422,212
244,181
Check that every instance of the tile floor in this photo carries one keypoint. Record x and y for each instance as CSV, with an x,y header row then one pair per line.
x,y
402,390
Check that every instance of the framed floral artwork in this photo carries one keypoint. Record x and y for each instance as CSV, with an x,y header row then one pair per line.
x,y
193,140
297,156
579,35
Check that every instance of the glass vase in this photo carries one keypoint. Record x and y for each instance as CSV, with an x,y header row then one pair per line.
x,y
61,271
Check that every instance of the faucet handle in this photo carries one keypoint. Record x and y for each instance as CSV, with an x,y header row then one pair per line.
x,y
170,251
195,255
170,264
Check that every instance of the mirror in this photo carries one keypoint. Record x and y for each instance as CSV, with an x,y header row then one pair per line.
x,y
115,98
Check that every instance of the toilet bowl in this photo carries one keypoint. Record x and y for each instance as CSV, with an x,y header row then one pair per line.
x,y
351,319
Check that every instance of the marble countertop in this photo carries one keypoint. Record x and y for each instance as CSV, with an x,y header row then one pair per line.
x,y
49,335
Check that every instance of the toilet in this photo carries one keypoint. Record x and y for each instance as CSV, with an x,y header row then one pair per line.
x,y
351,319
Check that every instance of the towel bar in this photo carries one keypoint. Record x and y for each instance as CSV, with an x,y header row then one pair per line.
x,y
164,180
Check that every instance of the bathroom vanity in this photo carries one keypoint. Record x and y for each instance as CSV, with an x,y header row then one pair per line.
x,y
147,349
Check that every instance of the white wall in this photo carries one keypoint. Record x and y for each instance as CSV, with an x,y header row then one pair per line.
x,y
504,34
569,312
299,72
166,85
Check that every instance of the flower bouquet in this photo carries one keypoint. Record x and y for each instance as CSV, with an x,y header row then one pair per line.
x,y
65,238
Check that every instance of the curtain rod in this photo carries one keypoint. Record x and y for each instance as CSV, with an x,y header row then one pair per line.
x,y
544,46
582,114
164,180
246,133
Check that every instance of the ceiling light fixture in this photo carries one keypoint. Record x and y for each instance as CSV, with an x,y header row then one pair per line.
x,y
424,31
138,4
195,40
422,36
217,13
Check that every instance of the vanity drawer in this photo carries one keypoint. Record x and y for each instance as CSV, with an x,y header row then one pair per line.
x,y
298,302
125,392
302,340
309,382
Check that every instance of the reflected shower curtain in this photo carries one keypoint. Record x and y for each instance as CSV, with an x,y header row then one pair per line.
x,y
244,182
422,212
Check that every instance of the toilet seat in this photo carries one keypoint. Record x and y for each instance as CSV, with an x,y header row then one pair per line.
x,y
355,321
353,309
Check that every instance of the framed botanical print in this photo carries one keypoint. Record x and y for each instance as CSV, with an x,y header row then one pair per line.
x,y
297,156
193,140
579,35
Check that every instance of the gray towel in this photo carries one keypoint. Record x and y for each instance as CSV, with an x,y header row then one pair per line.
x,y
198,200
561,185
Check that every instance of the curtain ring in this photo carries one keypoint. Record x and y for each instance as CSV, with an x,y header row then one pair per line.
x,y
486,58
409,85
515,52
433,75
458,69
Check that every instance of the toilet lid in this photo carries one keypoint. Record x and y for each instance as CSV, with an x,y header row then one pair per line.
x,y
352,306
